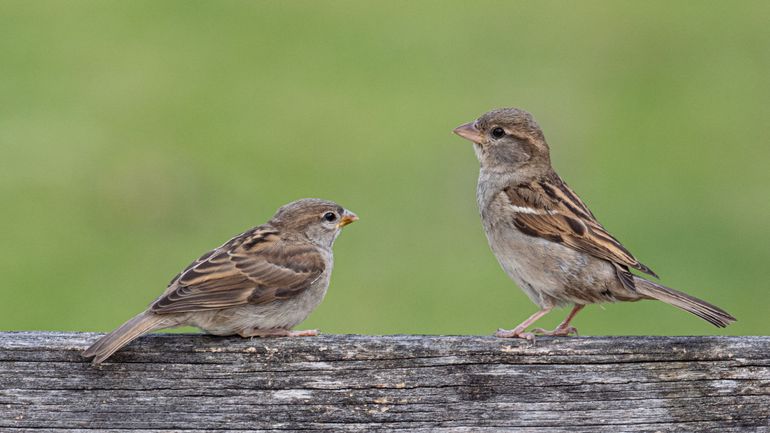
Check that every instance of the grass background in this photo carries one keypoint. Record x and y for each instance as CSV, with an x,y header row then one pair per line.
x,y
136,135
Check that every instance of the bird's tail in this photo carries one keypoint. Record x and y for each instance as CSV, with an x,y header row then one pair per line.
x,y
708,312
141,324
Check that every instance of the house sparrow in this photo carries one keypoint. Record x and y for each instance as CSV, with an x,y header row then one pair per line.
x,y
261,283
545,238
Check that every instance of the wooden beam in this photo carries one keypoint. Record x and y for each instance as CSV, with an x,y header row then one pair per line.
x,y
351,383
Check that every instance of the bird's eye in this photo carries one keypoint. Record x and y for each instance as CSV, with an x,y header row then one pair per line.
x,y
330,216
498,132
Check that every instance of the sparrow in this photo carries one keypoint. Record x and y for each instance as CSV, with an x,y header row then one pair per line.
x,y
261,283
545,237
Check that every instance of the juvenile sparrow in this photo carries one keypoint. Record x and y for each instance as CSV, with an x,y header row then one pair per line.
x,y
261,283
544,236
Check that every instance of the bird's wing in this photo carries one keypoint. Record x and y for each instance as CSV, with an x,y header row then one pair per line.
x,y
549,209
252,268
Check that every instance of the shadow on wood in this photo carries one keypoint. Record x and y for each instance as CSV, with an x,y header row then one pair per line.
x,y
387,383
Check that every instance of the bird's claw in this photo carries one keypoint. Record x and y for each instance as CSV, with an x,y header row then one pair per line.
x,y
266,333
558,332
515,333
304,333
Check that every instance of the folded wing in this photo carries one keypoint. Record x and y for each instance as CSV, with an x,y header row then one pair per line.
x,y
252,268
549,209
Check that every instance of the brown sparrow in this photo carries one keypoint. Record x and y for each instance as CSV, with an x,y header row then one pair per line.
x,y
545,238
261,283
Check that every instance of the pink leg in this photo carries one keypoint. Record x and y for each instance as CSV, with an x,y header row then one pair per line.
x,y
564,329
518,332
277,333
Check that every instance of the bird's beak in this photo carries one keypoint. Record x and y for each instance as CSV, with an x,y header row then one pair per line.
x,y
347,218
469,132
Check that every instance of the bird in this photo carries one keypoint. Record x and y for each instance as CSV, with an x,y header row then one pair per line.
x,y
261,283
544,236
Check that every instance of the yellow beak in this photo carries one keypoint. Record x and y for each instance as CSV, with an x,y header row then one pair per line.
x,y
347,218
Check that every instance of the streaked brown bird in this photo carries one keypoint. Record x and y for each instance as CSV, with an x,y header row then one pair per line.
x,y
261,283
544,236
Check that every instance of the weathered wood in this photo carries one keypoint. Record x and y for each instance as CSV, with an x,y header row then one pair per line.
x,y
356,383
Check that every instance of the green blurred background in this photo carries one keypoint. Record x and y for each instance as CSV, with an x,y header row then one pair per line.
x,y
137,135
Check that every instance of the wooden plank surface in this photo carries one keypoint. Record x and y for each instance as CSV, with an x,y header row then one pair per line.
x,y
351,383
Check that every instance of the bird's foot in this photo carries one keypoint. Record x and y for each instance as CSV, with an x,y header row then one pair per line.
x,y
263,333
561,331
515,333
304,333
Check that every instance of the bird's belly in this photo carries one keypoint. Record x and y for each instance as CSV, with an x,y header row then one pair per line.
x,y
549,273
279,314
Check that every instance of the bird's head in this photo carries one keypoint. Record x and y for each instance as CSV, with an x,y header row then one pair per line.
x,y
320,221
507,139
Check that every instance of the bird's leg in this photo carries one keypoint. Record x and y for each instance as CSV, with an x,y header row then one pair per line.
x,y
277,333
564,329
518,332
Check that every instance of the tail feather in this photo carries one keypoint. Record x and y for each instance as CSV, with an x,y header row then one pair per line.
x,y
139,325
708,312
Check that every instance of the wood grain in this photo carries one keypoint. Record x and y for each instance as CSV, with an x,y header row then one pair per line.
x,y
351,383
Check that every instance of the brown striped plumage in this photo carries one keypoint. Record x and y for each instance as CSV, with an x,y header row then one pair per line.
x,y
545,237
244,270
566,219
